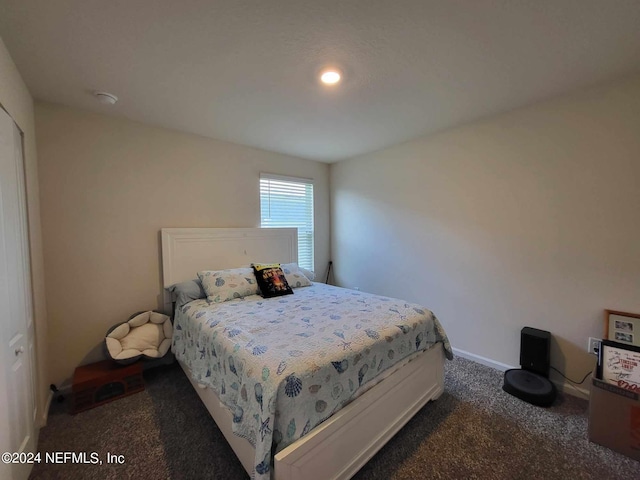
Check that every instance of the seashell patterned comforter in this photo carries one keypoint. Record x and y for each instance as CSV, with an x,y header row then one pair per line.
x,y
283,365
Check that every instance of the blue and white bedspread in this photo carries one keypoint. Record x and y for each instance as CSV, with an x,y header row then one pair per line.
x,y
285,364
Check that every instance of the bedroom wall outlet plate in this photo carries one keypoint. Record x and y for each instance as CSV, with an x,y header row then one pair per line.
x,y
593,345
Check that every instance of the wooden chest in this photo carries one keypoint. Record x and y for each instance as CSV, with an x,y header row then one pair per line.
x,y
102,382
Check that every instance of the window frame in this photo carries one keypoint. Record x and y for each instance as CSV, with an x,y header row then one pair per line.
x,y
308,230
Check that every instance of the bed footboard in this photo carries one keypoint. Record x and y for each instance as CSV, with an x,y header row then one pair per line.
x,y
341,445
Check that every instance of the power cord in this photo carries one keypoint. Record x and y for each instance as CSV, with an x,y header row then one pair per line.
x,y
575,383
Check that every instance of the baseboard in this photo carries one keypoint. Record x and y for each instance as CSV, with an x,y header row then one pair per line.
x,y
562,385
45,414
482,360
64,391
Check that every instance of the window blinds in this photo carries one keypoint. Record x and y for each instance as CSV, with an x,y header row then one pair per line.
x,y
288,202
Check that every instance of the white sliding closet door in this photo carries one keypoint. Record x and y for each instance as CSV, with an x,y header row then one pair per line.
x,y
17,399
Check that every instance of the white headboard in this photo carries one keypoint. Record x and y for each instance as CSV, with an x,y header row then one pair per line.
x,y
186,251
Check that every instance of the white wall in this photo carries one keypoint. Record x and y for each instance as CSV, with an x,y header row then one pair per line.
x,y
16,99
108,185
531,218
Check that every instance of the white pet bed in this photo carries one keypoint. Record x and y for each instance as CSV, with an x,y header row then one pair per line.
x,y
147,334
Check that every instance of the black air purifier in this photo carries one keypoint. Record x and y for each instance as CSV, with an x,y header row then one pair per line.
x,y
531,382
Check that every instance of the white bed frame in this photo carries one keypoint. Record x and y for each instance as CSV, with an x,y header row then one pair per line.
x,y
340,446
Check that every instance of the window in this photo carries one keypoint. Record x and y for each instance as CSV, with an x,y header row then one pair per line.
x,y
288,202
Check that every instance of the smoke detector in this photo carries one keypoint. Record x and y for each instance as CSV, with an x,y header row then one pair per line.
x,y
106,98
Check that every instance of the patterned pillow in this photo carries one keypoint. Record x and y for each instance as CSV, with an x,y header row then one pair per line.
x,y
223,285
271,280
295,276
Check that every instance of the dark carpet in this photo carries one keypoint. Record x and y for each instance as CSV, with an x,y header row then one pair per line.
x,y
474,430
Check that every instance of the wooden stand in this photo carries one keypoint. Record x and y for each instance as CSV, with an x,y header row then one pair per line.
x,y
102,382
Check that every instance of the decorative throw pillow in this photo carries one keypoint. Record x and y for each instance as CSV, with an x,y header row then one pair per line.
x,y
271,280
294,275
223,285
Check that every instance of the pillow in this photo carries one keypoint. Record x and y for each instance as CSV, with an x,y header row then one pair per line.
x,y
147,334
185,292
223,285
271,280
309,274
294,275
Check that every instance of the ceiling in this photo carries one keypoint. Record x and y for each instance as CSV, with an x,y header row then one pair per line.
x,y
246,71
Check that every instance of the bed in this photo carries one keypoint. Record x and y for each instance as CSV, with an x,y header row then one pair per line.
x,y
309,385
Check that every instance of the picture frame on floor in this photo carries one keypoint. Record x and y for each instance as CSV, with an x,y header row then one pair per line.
x,y
619,365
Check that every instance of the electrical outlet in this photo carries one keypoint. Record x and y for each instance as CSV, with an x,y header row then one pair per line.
x,y
593,345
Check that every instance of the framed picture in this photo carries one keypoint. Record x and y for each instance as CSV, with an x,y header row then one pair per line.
x,y
619,365
622,327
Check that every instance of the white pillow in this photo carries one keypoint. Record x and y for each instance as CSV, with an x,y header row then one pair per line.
x,y
223,285
295,275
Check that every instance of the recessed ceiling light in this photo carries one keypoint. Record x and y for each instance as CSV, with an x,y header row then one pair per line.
x,y
106,98
330,76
